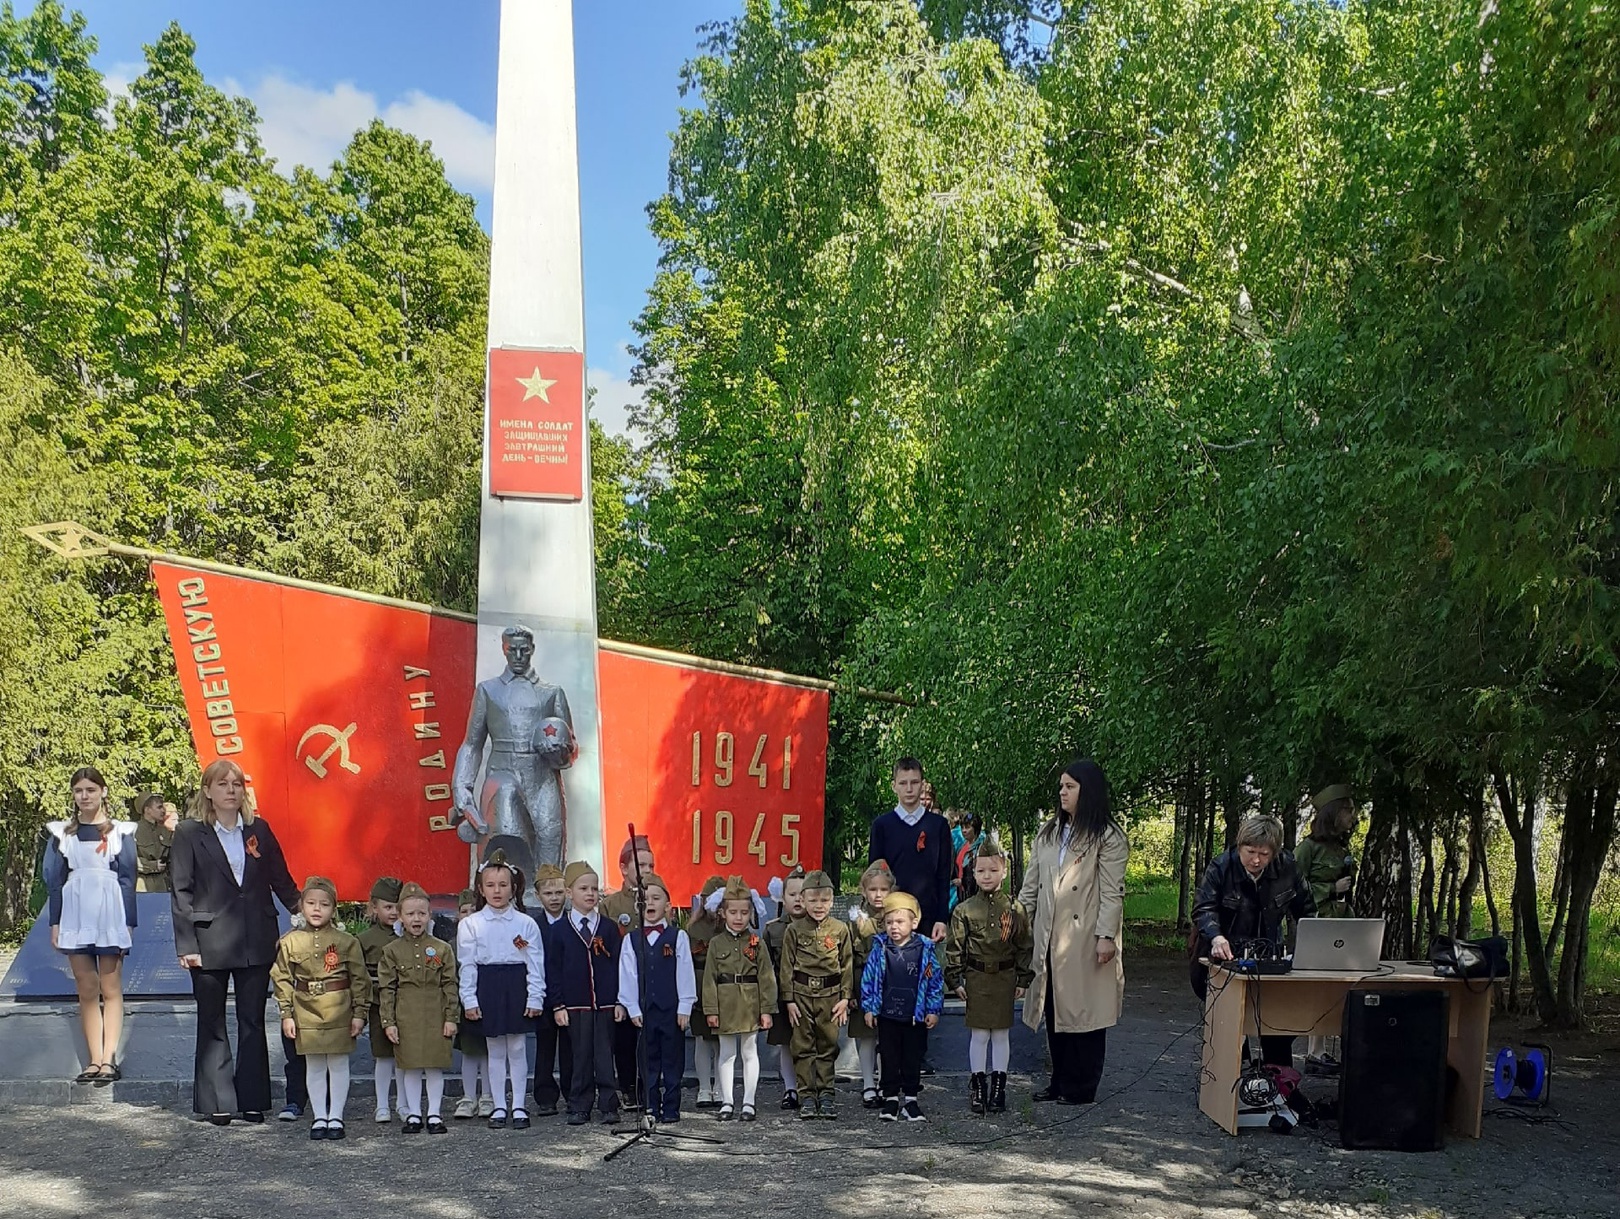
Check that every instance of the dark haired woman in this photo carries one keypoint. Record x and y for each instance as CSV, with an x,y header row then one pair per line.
x,y
1074,891
226,870
90,877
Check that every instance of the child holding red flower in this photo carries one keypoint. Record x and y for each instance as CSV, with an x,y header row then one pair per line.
x,y
324,992
503,983
583,978
739,995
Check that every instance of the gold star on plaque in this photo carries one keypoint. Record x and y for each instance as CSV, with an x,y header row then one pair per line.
x,y
535,386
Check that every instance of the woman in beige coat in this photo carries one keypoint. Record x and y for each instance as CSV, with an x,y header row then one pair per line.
x,y
1074,892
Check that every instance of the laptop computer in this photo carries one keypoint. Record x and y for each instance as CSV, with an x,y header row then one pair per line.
x,y
1339,945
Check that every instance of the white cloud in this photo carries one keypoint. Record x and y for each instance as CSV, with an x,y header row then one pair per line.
x,y
614,398
303,125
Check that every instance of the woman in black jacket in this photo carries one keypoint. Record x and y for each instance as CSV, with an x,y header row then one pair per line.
x,y
226,869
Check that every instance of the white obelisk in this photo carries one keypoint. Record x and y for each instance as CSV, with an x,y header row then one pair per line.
x,y
536,562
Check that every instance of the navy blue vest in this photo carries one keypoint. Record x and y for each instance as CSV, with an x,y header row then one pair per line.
x,y
576,974
657,965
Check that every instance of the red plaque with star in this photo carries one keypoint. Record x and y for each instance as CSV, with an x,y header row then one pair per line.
x,y
536,423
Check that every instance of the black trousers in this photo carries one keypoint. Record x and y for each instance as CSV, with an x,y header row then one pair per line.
x,y
626,1040
1077,1058
294,1072
666,1063
217,1086
901,1044
590,1042
553,1062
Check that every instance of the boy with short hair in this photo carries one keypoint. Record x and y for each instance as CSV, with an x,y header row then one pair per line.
x,y
620,906
902,994
660,956
817,981
583,980
383,912
553,1064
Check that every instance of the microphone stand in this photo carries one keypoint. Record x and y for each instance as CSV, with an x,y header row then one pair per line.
x,y
646,1128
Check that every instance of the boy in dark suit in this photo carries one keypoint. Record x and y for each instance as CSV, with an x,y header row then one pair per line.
x,y
582,981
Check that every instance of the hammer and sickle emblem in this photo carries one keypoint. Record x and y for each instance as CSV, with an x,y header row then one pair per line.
x,y
339,746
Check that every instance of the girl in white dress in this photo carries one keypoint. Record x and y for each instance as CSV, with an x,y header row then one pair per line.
x,y
90,876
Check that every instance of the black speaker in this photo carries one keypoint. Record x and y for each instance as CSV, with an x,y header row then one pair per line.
x,y
1392,1091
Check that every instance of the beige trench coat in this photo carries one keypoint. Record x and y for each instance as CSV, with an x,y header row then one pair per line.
x,y
1070,907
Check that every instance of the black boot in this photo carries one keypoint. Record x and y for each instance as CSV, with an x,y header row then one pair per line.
x,y
998,1092
976,1092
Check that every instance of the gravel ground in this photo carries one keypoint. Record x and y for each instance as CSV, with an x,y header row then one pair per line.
x,y
1144,1151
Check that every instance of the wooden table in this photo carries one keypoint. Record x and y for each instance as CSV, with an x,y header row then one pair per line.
x,y
1312,1002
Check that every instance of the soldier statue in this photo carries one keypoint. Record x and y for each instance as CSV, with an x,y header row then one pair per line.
x,y
531,741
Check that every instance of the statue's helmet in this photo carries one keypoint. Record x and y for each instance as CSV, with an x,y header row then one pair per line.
x,y
555,743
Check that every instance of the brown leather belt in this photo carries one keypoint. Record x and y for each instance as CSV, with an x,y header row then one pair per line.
x,y
816,981
320,986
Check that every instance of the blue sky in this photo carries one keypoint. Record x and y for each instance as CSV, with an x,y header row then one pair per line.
x,y
320,69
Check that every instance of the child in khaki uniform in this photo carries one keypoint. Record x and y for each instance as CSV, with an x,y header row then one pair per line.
x,y
781,1033
420,1006
700,930
739,995
818,979
383,912
866,925
988,953
323,991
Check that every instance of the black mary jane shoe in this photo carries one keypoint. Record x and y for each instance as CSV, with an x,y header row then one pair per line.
x,y
335,1130
317,1134
726,1114
89,1075
255,1116
747,1114
219,1119
520,1120
413,1125
870,1099
497,1120
435,1125
1048,1093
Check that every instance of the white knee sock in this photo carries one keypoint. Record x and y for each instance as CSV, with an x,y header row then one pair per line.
x,y
320,1105
784,1064
337,1066
750,1057
978,1050
471,1068
435,1091
410,1092
704,1053
382,1077
728,1065
866,1051
517,1070
495,1073
1000,1049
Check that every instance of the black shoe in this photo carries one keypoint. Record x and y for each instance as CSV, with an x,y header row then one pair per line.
x,y
912,1112
317,1134
828,1108
578,1119
997,1101
413,1125
790,1100
747,1114
254,1116
891,1109
520,1120
976,1093
870,1099
435,1125
1047,1093
927,1068
546,1110
335,1130
669,1119
497,1120
725,1114
609,1118
1071,1100
220,1119
110,1074
89,1075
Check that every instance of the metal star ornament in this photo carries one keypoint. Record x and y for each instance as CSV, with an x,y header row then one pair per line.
x,y
535,386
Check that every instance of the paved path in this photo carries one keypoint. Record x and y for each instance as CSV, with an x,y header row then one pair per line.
x,y
1143,1151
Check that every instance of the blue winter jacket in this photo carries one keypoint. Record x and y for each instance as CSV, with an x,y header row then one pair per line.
x,y
930,985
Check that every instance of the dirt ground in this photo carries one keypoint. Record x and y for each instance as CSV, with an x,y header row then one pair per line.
x,y
1144,1151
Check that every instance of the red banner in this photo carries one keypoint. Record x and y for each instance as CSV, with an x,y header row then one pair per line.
x,y
537,423
346,715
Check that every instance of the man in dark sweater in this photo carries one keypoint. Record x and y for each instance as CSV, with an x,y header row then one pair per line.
x,y
916,844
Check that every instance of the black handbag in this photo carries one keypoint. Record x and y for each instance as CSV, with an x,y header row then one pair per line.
x,y
1454,958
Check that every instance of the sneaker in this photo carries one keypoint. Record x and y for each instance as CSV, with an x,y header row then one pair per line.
x,y
827,1107
911,1111
790,1100
810,1109
486,1106
383,1117
290,1112
891,1109
465,1107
